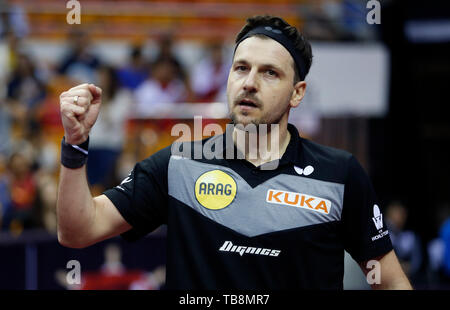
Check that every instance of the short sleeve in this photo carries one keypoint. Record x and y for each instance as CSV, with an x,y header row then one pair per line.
x,y
142,197
365,233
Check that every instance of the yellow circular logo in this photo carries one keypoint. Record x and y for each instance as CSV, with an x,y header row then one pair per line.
x,y
215,189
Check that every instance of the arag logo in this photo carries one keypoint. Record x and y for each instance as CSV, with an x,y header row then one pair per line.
x,y
215,189
298,200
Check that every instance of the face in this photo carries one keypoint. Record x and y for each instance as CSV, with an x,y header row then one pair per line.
x,y
19,165
397,215
164,72
260,87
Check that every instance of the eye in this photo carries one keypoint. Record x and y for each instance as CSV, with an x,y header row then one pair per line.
x,y
271,73
241,68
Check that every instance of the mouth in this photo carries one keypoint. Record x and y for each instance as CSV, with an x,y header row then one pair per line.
x,y
247,103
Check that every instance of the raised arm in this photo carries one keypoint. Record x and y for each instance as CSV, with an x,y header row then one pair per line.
x,y
82,219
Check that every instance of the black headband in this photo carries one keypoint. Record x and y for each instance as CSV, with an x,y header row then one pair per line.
x,y
281,38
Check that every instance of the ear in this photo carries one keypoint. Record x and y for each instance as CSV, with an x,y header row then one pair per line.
x,y
297,94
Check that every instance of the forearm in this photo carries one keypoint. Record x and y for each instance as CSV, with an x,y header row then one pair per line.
x,y
400,283
75,207
392,277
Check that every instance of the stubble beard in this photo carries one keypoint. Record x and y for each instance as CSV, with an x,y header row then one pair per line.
x,y
265,119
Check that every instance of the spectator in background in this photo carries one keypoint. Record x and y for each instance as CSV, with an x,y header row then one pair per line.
x,y
209,77
25,94
136,71
343,20
48,190
45,152
25,89
324,20
113,260
153,280
11,110
164,86
107,139
5,130
45,167
405,242
80,63
165,54
48,115
28,186
4,192
13,19
14,48
445,237
439,249
19,181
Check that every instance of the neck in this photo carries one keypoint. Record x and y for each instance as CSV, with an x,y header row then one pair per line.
x,y
262,147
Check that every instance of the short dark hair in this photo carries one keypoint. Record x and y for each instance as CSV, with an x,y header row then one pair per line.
x,y
302,45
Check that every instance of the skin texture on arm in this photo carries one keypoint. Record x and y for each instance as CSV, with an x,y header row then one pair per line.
x,y
392,276
82,219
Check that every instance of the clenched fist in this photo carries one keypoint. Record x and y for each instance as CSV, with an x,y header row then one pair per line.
x,y
79,114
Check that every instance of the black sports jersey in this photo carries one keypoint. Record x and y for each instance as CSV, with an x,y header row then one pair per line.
x,y
233,225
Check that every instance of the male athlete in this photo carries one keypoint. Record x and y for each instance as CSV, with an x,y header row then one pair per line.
x,y
232,224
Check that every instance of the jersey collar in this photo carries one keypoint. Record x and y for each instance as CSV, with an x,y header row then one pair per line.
x,y
290,156
292,153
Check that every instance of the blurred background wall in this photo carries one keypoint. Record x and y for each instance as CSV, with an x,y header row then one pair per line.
x,y
378,91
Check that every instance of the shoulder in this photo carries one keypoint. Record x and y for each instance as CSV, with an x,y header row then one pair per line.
x,y
157,161
339,165
324,153
332,164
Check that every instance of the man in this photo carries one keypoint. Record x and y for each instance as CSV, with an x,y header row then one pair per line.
x,y
231,223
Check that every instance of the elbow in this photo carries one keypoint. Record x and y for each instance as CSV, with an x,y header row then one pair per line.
x,y
69,242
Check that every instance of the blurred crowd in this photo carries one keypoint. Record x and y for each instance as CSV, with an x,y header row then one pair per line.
x,y
31,129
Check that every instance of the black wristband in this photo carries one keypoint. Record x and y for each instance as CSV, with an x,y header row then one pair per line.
x,y
74,156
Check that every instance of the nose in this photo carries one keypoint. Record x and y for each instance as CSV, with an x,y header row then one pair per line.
x,y
250,82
